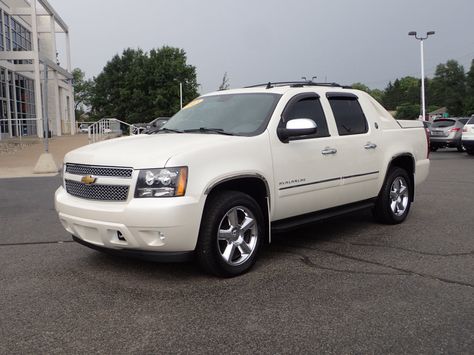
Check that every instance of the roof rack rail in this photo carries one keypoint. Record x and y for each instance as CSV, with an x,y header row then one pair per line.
x,y
296,84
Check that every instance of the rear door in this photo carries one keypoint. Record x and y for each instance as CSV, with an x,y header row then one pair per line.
x,y
359,147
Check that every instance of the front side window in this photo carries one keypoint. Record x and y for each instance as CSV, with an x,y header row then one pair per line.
x,y
308,107
350,118
238,114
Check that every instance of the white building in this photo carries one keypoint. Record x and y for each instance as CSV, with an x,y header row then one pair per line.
x,y
28,33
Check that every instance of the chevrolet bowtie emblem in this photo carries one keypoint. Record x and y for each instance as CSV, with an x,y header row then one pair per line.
x,y
88,179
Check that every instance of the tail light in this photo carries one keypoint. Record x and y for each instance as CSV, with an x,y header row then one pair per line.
x,y
457,129
464,129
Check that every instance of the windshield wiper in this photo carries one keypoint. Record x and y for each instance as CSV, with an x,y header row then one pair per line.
x,y
164,129
212,130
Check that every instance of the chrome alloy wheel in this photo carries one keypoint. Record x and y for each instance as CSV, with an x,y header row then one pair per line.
x,y
237,235
399,196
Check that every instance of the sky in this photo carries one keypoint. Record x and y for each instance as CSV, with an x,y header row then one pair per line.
x,y
344,41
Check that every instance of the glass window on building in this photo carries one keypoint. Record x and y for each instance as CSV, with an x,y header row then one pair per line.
x,y
2,46
7,32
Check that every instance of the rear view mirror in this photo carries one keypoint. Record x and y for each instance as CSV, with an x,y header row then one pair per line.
x,y
297,127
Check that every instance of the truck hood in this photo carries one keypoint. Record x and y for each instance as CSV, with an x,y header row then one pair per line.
x,y
145,151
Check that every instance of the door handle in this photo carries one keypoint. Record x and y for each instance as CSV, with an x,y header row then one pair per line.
x,y
370,145
328,150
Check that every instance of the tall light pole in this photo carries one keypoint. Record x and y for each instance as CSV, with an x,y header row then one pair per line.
x,y
421,39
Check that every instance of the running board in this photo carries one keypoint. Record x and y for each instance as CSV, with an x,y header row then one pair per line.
x,y
284,225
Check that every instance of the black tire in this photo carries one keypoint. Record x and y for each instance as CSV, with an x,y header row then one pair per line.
x,y
383,210
210,249
433,148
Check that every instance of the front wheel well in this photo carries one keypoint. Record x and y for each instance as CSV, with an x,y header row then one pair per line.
x,y
255,187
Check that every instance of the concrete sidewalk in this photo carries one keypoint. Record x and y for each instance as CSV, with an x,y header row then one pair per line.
x,y
21,163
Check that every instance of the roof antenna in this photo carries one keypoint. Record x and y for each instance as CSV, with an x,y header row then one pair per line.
x,y
314,77
269,85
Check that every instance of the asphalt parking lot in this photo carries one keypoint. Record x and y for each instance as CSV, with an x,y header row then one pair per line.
x,y
346,286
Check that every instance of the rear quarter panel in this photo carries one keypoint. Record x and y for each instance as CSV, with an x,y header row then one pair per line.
x,y
399,137
407,141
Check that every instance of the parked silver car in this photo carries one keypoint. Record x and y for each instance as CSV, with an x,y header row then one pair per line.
x,y
156,124
84,128
447,132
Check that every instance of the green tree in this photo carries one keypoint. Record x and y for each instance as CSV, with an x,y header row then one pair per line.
x,y
138,86
166,69
360,86
469,102
119,88
403,91
225,83
82,92
376,93
407,111
448,87
391,96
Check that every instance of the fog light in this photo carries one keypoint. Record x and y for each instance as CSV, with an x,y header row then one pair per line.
x,y
162,236
121,237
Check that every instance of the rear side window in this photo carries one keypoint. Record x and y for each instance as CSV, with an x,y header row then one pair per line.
x,y
443,123
350,118
308,107
471,121
464,120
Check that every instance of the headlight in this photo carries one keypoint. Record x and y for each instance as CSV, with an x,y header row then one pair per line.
x,y
166,182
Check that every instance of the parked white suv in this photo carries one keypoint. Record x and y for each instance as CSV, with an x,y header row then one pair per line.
x,y
233,166
468,136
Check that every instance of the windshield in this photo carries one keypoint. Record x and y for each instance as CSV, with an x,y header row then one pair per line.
x,y
443,123
238,114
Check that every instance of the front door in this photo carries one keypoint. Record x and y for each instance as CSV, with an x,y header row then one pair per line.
x,y
307,170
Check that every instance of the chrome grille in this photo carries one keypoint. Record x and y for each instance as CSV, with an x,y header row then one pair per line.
x,y
97,192
79,169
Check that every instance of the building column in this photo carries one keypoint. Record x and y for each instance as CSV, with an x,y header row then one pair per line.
x,y
55,78
36,65
68,53
72,114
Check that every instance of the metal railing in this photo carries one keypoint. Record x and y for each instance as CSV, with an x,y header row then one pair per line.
x,y
110,128
18,127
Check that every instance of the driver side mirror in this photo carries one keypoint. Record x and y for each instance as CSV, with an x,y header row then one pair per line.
x,y
297,127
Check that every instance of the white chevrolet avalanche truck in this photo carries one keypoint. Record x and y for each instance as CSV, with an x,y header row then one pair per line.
x,y
234,166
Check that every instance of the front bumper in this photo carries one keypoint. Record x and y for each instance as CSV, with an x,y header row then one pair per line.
x,y
151,224
164,257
